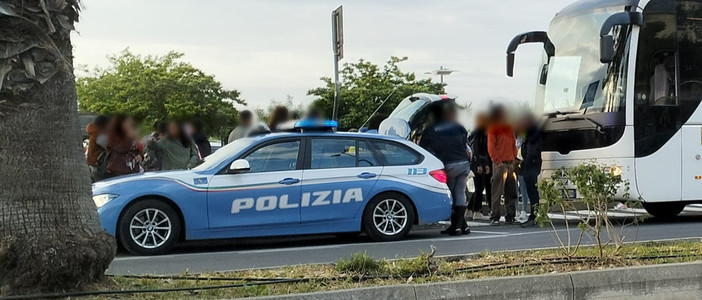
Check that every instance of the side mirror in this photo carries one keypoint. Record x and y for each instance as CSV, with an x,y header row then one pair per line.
x,y
543,77
606,49
510,64
239,166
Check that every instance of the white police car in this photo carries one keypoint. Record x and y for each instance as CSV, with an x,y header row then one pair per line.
x,y
280,184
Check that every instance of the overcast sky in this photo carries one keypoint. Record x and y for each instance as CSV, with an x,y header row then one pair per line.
x,y
268,49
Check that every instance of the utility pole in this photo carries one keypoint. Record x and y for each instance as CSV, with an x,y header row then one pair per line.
x,y
338,48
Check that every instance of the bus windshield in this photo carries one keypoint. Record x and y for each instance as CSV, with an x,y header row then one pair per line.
x,y
576,80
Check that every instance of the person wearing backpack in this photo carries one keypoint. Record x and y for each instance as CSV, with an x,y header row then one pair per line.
x,y
97,144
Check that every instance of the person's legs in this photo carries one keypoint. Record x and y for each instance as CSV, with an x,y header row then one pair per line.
x,y
476,201
533,192
510,193
458,189
451,181
524,194
499,172
459,202
487,181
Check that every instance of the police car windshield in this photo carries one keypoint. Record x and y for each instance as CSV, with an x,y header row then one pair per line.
x,y
224,153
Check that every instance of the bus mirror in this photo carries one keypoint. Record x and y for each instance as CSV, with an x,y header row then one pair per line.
x,y
510,64
527,38
544,75
606,49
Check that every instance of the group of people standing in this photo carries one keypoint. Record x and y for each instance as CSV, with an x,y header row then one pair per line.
x,y
498,153
247,127
114,146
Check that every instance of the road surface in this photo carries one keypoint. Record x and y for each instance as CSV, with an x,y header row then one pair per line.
x,y
227,255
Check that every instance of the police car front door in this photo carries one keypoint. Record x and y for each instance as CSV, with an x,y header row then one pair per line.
x,y
269,194
339,181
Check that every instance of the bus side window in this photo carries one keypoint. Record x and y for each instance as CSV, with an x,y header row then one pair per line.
x,y
689,34
663,90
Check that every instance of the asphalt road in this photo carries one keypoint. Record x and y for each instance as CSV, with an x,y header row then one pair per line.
x,y
227,255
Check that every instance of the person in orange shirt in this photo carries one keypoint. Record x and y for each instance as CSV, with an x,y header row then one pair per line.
x,y
502,148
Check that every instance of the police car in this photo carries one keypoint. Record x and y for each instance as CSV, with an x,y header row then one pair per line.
x,y
308,182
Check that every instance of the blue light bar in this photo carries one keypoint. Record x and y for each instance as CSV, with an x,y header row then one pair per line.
x,y
316,124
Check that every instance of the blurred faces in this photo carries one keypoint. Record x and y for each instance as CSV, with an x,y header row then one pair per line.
x,y
130,129
482,120
188,129
173,129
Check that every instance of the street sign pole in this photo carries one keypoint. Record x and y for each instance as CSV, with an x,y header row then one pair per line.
x,y
338,48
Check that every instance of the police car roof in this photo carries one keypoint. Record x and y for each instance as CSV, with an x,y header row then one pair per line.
x,y
336,134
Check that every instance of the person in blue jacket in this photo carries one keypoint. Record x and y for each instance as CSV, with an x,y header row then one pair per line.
x,y
448,141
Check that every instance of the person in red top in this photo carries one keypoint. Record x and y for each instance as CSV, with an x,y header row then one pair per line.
x,y
502,148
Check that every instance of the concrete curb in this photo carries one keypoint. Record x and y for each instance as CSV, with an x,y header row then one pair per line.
x,y
669,281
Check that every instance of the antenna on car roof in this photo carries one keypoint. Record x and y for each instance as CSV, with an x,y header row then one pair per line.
x,y
379,106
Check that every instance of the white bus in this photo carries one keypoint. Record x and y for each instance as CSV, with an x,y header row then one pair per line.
x,y
621,83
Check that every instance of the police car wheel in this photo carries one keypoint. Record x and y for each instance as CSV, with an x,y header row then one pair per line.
x,y
388,217
149,227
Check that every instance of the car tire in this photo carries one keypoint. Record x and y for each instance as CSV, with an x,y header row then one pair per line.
x,y
149,227
388,217
664,210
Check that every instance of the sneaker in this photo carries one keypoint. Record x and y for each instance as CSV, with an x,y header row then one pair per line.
x,y
523,216
510,222
495,223
477,216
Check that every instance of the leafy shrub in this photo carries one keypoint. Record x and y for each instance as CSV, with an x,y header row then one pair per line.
x,y
597,186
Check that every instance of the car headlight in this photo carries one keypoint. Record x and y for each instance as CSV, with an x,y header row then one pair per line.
x,y
101,200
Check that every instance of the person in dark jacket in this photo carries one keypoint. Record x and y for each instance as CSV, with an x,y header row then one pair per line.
x,y
530,164
97,145
201,140
481,165
124,151
448,141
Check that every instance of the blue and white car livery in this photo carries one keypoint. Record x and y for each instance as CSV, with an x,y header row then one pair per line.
x,y
280,184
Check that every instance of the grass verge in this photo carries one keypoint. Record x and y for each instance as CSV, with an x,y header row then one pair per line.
x,y
360,270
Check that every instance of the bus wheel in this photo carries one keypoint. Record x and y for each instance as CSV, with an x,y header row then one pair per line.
x,y
664,210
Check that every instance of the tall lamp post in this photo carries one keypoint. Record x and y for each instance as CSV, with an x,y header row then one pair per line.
x,y
441,72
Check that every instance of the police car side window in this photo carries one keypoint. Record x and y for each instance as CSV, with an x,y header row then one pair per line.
x,y
365,155
333,153
396,154
274,157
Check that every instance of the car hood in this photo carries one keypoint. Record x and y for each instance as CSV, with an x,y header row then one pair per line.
x,y
135,177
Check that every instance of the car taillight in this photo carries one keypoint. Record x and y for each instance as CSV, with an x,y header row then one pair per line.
x,y
439,175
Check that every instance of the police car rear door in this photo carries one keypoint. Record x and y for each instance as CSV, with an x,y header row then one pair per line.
x,y
269,194
338,181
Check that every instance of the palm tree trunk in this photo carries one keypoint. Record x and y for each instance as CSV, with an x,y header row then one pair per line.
x,y
50,236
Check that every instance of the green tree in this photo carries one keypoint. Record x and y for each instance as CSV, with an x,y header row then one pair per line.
x,y
152,88
50,235
365,85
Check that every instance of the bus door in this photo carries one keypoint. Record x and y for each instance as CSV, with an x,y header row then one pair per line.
x,y
692,162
